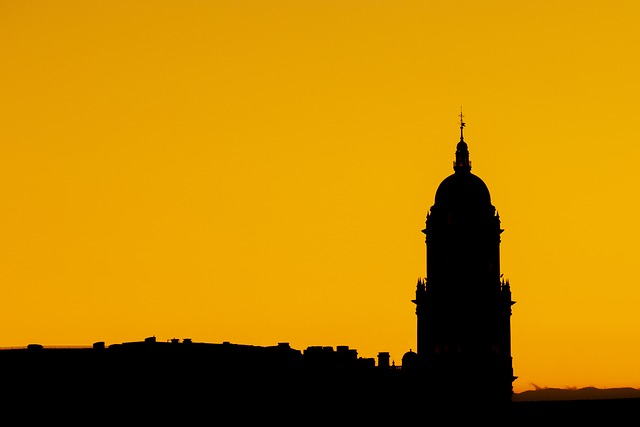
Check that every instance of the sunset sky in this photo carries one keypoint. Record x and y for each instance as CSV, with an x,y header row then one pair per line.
x,y
259,171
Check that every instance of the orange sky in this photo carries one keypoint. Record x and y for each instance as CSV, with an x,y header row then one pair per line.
x,y
259,171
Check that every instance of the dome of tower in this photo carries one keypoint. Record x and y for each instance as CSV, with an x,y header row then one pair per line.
x,y
463,190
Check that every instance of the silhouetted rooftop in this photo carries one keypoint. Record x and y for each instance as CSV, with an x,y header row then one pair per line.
x,y
462,191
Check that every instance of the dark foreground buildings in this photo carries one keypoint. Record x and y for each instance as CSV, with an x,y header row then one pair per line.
x,y
463,353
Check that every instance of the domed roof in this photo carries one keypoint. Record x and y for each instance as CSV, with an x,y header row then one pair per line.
x,y
462,190
409,359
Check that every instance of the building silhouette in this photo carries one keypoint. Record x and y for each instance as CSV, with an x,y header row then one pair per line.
x,y
463,306
463,351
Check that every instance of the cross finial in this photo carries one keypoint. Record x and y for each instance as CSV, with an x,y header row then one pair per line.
x,y
461,124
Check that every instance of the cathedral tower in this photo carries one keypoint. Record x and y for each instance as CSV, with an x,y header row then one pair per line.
x,y
463,306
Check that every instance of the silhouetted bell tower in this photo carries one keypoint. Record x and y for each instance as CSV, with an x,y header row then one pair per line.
x,y
463,306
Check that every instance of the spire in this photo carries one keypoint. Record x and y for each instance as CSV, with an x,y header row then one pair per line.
x,y
461,124
462,162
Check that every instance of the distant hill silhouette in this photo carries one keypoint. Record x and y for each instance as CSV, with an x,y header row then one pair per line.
x,y
583,406
550,393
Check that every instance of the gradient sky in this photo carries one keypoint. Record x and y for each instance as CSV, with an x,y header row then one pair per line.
x,y
259,171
